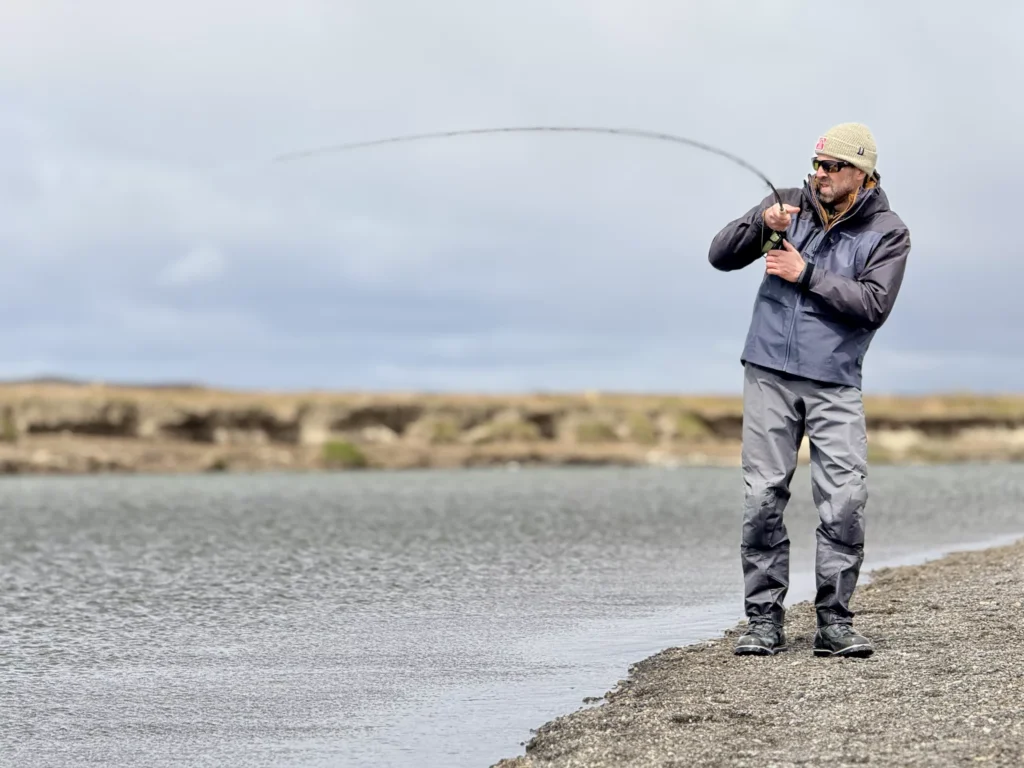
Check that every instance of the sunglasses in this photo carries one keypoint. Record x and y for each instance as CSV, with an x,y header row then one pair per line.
x,y
830,166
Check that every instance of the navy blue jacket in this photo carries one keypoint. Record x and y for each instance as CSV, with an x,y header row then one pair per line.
x,y
820,327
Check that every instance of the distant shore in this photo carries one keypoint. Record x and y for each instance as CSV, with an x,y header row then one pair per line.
x,y
60,427
943,688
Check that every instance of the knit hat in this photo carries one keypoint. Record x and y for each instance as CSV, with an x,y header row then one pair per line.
x,y
851,142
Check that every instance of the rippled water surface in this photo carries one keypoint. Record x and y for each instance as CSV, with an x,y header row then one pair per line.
x,y
399,619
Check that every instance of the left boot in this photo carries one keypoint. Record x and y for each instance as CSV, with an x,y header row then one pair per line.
x,y
841,640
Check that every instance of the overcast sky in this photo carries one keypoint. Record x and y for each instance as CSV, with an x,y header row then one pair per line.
x,y
146,235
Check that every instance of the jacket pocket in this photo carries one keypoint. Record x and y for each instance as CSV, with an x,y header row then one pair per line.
x,y
777,289
771,324
845,254
830,343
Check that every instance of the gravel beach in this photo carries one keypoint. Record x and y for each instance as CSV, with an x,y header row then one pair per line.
x,y
944,687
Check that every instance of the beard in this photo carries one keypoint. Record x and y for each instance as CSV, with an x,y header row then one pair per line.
x,y
830,194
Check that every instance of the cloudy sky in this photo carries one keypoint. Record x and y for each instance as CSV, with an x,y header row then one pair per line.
x,y
146,234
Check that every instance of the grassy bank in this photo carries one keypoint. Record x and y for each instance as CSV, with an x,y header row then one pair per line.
x,y
82,428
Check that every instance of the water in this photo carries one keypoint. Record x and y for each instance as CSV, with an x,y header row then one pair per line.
x,y
399,619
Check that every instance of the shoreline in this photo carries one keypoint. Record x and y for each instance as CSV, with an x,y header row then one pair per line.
x,y
906,705
61,428
76,453
74,456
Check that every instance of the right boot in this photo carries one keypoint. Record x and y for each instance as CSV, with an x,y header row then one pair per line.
x,y
763,638
841,640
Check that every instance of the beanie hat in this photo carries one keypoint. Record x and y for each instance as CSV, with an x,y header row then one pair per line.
x,y
851,142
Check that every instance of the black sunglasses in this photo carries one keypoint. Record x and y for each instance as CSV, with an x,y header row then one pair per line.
x,y
830,166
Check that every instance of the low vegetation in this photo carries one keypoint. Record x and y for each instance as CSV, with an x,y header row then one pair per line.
x,y
344,455
69,428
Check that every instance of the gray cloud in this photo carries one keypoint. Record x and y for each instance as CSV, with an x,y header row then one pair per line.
x,y
146,234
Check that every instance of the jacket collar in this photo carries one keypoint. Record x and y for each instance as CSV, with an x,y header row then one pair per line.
x,y
871,199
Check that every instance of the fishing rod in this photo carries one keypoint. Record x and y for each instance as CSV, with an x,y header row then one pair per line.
x,y
643,134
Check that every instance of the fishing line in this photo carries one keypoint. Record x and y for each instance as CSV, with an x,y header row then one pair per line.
x,y
655,135
774,237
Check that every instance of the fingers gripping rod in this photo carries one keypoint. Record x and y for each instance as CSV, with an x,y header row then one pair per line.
x,y
774,239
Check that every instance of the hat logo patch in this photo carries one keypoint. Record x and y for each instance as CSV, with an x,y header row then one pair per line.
x,y
860,150
820,145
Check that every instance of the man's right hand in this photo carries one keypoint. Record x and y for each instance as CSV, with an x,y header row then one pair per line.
x,y
778,220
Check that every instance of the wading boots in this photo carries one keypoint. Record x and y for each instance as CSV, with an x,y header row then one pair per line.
x,y
763,638
841,640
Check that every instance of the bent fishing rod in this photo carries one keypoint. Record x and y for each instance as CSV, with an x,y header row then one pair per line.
x,y
630,132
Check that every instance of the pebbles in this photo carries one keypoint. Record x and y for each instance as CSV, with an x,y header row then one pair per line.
x,y
945,686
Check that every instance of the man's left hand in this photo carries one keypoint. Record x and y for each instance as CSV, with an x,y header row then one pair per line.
x,y
787,264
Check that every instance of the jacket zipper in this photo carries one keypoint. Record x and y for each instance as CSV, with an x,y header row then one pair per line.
x,y
796,313
808,258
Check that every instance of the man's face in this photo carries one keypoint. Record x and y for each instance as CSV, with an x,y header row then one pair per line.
x,y
836,179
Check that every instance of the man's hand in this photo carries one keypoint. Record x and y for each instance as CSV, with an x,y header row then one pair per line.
x,y
779,220
787,264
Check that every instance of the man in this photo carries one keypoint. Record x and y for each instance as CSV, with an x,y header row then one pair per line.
x,y
827,289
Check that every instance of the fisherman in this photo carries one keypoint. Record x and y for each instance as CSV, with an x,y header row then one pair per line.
x,y
827,289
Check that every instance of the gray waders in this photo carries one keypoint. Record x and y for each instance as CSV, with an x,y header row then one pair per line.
x,y
778,410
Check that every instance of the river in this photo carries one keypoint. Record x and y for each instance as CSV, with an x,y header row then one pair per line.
x,y
386,618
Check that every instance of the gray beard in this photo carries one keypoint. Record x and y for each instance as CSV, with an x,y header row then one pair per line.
x,y
831,205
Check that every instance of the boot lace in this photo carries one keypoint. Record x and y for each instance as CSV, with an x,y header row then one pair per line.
x,y
841,630
761,626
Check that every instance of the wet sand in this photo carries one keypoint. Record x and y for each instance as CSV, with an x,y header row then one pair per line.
x,y
944,687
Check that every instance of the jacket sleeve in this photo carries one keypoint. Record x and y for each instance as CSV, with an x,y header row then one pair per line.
x,y
739,243
866,300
